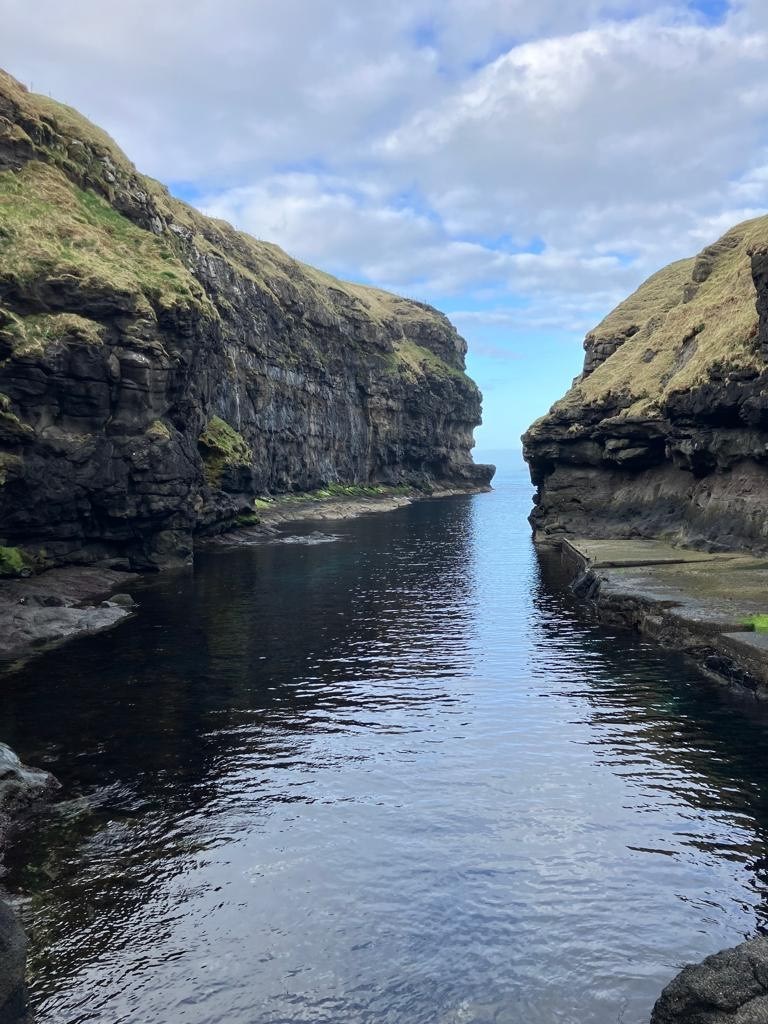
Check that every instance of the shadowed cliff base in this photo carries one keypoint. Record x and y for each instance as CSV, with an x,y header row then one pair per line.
x,y
159,370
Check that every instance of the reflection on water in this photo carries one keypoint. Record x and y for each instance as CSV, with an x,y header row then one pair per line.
x,y
390,778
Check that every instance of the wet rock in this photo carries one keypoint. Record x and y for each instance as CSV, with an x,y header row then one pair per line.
x,y
730,987
21,788
59,604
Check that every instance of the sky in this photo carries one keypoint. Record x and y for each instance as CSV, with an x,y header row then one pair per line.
x,y
522,166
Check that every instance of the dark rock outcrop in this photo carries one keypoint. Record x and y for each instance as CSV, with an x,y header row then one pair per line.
x,y
21,789
727,988
665,434
158,368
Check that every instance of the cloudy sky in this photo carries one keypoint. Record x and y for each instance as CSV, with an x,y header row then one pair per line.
x,y
520,165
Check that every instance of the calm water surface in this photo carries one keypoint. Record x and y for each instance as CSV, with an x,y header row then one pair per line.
x,y
392,778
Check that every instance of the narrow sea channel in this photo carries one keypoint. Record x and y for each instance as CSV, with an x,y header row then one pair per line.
x,y
390,778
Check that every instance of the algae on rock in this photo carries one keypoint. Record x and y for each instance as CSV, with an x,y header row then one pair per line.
x,y
223,449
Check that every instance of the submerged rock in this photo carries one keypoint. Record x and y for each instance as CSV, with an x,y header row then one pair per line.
x,y
159,370
730,987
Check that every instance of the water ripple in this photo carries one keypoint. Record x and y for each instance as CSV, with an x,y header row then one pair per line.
x,y
390,779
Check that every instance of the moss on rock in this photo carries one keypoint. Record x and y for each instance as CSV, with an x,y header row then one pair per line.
x,y
11,427
30,335
13,562
222,448
158,431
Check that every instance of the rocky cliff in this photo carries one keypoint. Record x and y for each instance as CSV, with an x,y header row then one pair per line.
x,y
159,369
665,434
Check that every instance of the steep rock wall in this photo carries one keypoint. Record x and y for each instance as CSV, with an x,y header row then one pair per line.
x,y
665,434
158,368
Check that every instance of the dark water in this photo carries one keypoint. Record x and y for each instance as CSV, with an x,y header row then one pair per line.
x,y
391,779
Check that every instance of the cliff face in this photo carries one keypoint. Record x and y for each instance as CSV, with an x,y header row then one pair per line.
x,y
665,434
158,368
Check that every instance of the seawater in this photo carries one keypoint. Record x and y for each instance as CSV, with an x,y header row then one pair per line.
x,y
396,777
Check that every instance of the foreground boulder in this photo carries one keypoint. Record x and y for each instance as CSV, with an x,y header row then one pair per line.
x,y
727,988
159,369
665,433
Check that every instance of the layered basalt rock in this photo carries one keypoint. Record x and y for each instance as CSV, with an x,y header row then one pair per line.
x,y
665,434
158,368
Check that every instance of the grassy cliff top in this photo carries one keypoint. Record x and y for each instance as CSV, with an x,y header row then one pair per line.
x,y
695,318
54,231
55,156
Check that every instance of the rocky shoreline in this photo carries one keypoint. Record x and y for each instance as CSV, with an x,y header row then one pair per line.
x,y
730,987
37,612
701,604
710,606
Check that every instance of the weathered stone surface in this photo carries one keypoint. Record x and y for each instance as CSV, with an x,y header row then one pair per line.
x,y
727,988
158,368
706,605
37,611
665,434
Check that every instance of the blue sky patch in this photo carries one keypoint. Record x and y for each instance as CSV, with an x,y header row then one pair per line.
x,y
713,12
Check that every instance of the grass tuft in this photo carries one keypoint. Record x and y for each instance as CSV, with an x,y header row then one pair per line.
x,y
759,623
13,562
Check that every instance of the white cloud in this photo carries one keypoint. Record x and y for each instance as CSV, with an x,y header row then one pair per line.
x,y
423,145
212,88
632,112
